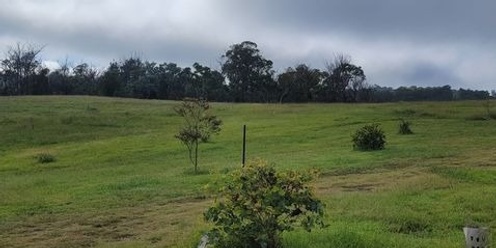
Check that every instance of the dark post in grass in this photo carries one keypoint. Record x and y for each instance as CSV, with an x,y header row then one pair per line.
x,y
243,158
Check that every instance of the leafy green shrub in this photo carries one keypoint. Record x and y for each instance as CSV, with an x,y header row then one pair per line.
x,y
369,137
404,127
44,158
257,204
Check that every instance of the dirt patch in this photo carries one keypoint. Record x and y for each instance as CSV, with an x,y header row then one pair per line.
x,y
360,187
151,225
376,180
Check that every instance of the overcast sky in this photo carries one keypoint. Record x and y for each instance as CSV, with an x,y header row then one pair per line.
x,y
397,42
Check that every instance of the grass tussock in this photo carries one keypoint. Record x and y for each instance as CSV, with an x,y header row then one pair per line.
x,y
45,158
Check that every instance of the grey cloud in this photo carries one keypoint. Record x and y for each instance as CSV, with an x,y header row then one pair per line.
x,y
110,41
428,74
397,42
422,19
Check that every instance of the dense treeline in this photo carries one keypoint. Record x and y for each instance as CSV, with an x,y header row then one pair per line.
x,y
245,76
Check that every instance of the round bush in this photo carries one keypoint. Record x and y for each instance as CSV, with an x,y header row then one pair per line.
x,y
369,137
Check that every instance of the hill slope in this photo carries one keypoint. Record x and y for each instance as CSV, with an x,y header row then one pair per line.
x,y
121,179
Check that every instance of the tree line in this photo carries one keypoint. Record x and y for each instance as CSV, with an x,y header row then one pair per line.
x,y
245,76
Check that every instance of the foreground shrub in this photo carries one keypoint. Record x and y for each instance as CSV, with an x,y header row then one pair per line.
x,y
44,158
404,127
369,137
257,204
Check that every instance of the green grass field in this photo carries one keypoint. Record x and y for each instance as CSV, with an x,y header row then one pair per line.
x,y
121,179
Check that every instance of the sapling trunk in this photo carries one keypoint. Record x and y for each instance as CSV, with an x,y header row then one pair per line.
x,y
196,156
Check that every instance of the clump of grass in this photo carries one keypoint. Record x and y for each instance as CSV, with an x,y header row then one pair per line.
x,y
45,157
339,237
406,112
486,116
488,106
404,127
91,109
482,117
411,226
67,120
6,120
369,137
349,238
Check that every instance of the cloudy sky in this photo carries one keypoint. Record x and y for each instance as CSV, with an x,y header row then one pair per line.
x,y
397,42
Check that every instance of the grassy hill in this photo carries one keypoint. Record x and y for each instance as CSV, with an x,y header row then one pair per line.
x,y
121,179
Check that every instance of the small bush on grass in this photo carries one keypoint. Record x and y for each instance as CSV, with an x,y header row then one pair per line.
x,y
404,127
45,157
369,137
257,204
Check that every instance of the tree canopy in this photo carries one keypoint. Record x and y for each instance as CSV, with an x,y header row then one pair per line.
x,y
248,72
245,75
